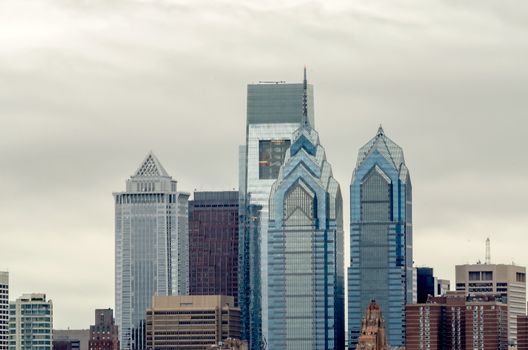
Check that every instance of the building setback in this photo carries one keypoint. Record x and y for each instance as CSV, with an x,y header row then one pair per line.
x,y
31,323
274,112
151,247
457,322
509,281
104,333
380,237
213,244
305,249
191,322
4,310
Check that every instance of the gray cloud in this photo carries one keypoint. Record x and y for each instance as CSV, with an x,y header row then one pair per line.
x,y
88,87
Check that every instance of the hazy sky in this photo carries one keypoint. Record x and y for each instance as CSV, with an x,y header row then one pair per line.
x,y
87,88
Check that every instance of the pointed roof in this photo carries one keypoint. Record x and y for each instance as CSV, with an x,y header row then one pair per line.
x,y
385,146
151,167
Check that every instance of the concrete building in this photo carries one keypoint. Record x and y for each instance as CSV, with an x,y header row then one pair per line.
x,y
213,243
381,255
457,322
31,323
522,332
151,247
306,307
372,335
274,112
508,281
4,310
104,333
191,322
75,338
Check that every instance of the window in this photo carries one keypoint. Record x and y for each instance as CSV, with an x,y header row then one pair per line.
x,y
521,277
271,157
474,275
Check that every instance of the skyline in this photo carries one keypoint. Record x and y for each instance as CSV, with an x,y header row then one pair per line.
x,y
61,172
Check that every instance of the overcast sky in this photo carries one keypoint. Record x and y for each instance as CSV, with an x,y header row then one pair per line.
x,y
87,88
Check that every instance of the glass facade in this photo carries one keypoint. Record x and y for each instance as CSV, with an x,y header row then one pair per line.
x,y
380,238
305,251
31,323
274,112
151,247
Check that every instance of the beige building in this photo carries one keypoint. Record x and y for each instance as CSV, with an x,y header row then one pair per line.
x,y
191,321
506,280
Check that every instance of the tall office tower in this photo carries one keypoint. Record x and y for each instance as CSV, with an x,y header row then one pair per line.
x,y
274,112
4,310
31,323
380,237
426,283
507,280
373,335
305,249
213,244
191,321
457,322
151,247
522,332
104,334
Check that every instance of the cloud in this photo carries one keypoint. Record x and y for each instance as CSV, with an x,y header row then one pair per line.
x,y
89,87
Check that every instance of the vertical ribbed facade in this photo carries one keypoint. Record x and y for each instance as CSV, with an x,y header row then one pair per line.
x,y
213,244
305,251
274,112
380,237
151,247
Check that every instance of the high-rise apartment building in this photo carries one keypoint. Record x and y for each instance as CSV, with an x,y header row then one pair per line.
x,y
457,322
191,322
509,281
31,323
522,332
4,310
305,249
104,334
151,247
213,243
274,112
380,237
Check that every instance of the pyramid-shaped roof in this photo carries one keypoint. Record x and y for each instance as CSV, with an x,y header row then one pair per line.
x,y
151,167
385,146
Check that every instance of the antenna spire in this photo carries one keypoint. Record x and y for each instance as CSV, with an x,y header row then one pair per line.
x,y
488,252
305,100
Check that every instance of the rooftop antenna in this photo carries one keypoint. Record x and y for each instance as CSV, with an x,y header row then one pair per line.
x,y
488,252
305,100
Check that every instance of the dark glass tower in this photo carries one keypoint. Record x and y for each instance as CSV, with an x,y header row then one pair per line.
x,y
213,243
380,237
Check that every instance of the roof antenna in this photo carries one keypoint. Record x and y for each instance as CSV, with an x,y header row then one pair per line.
x,y
488,252
305,100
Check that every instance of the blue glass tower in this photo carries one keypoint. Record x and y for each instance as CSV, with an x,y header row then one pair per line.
x,y
380,237
305,249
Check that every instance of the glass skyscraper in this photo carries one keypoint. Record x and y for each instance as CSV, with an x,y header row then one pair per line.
x,y
274,112
305,250
151,247
380,237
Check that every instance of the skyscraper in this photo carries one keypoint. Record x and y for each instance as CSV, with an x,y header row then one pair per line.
x,y
4,310
380,237
104,334
305,249
31,323
274,112
213,243
151,247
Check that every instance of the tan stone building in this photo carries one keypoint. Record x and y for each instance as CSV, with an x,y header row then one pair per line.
x,y
508,281
191,322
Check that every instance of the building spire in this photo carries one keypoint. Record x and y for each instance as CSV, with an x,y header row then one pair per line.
x,y
380,131
305,100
